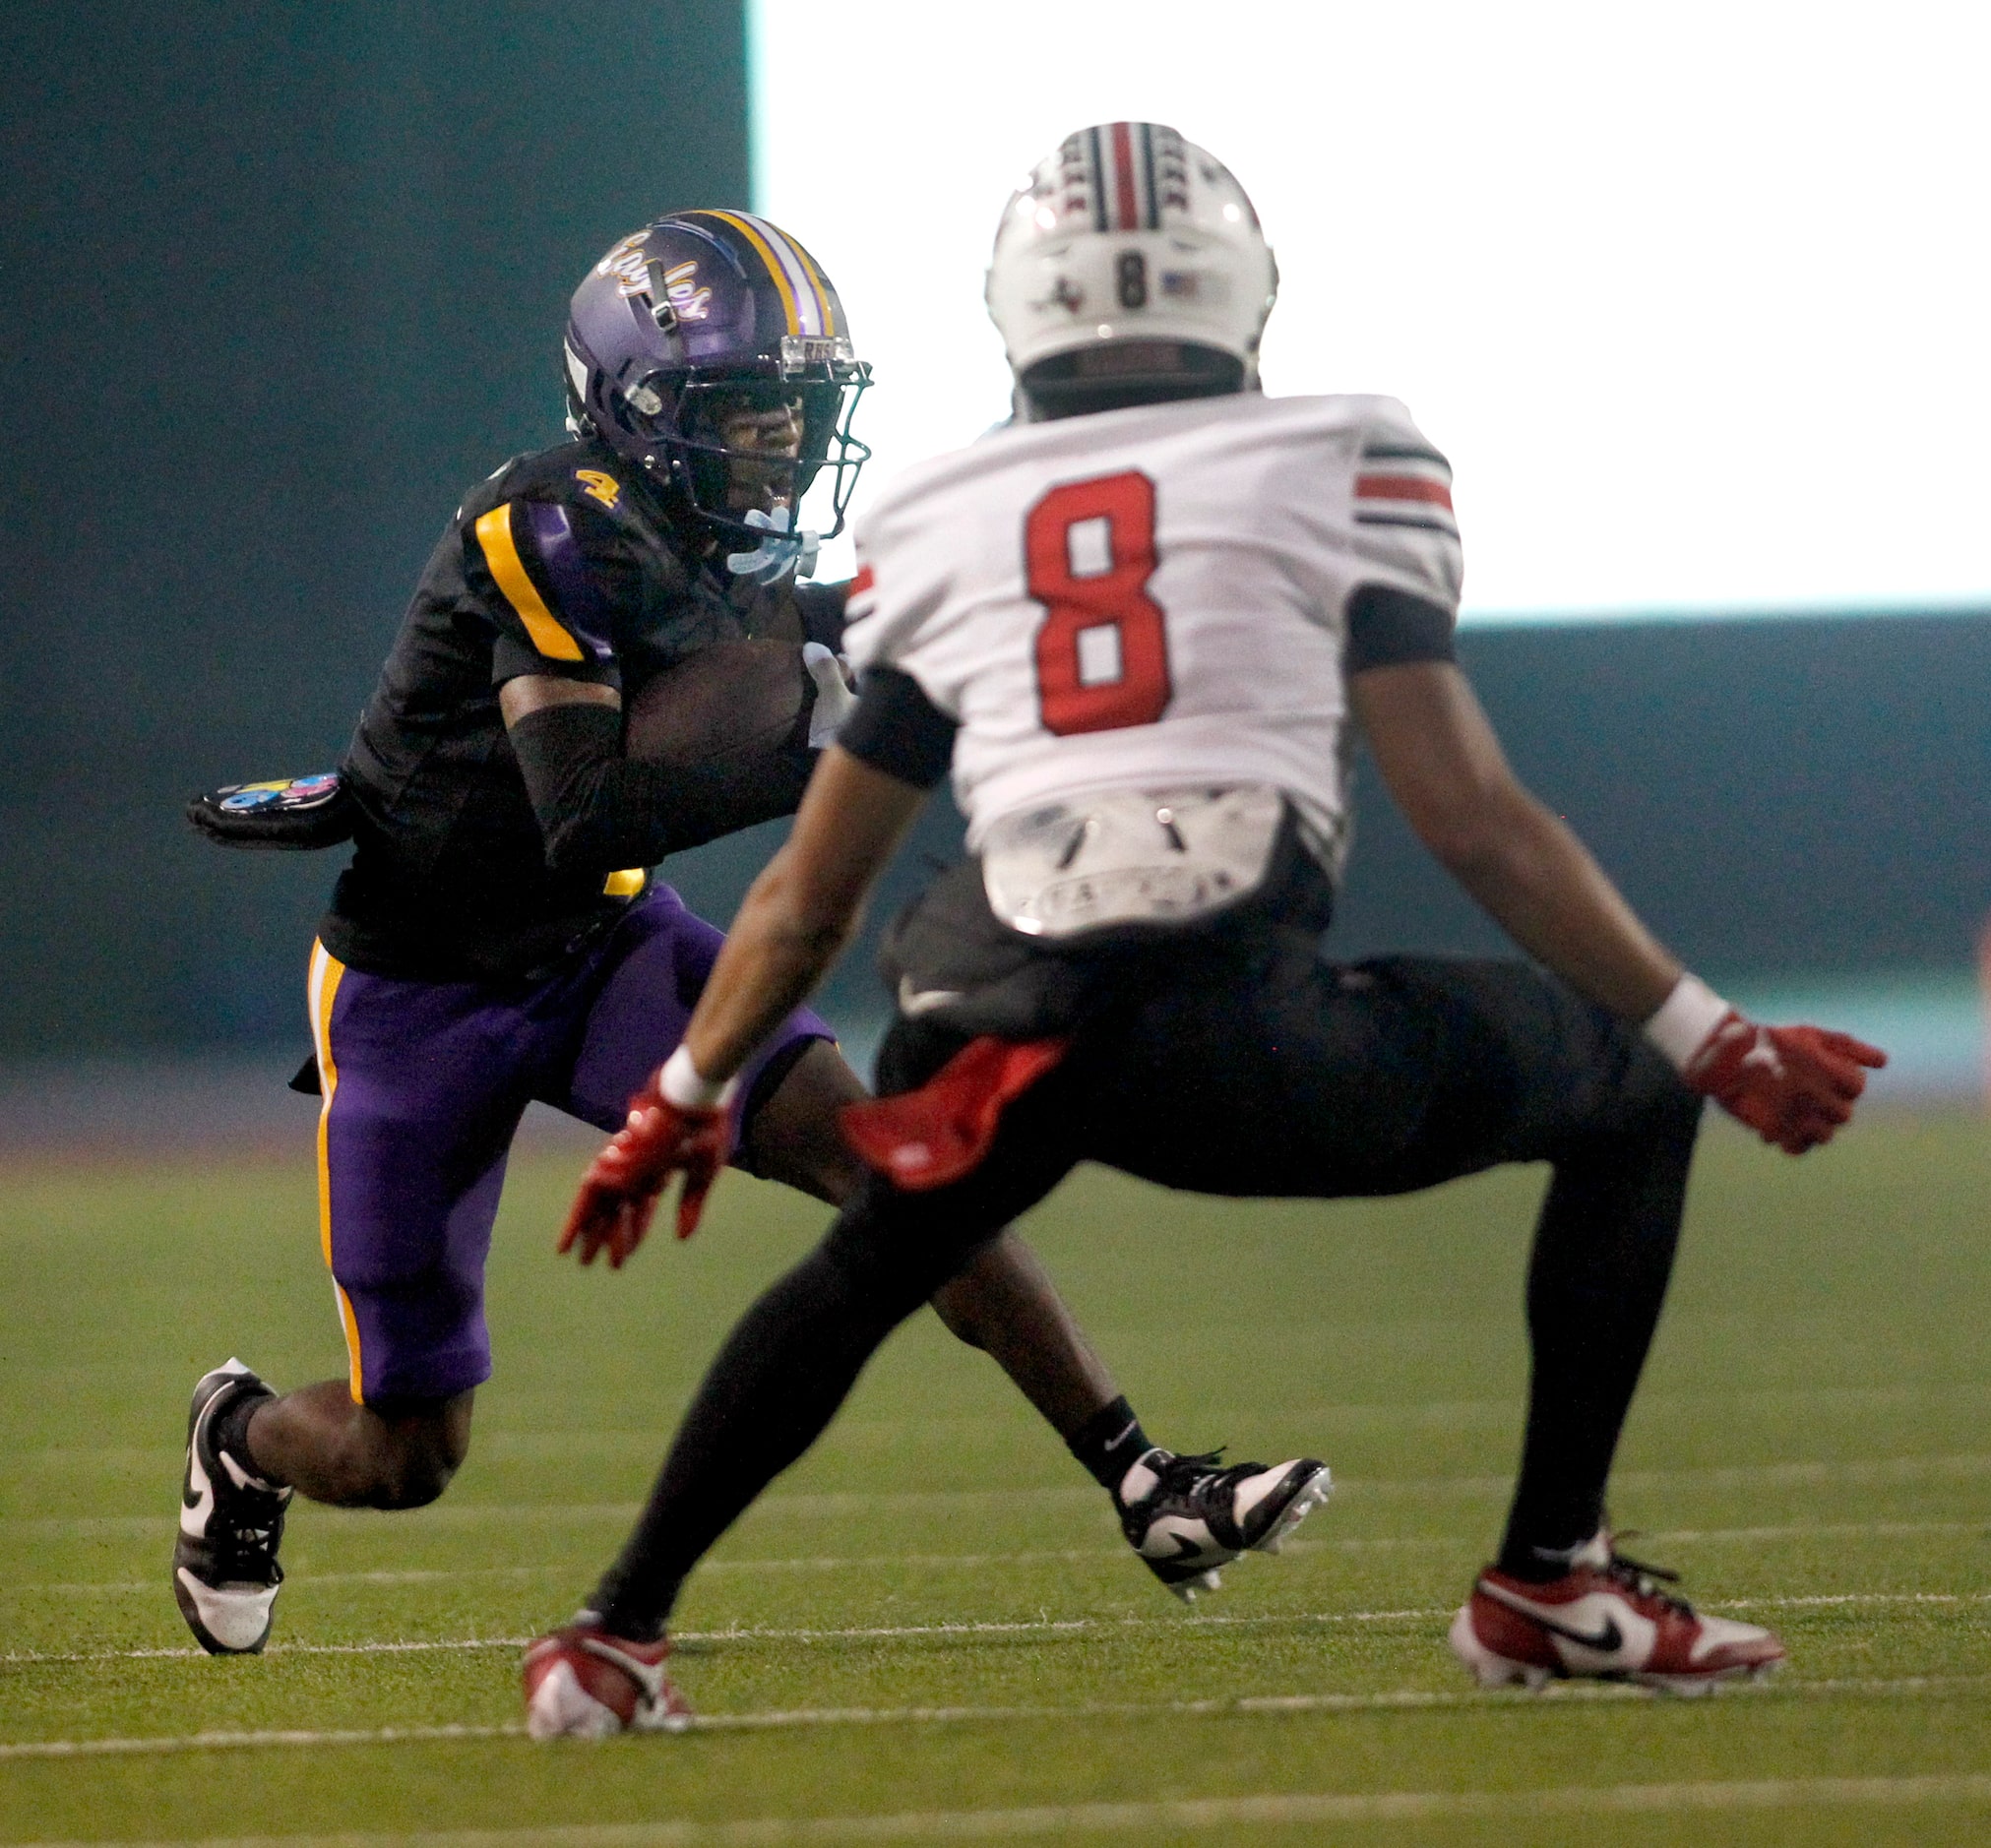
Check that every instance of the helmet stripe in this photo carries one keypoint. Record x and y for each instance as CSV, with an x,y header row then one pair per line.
x,y
792,261
808,298
1150,215
808,305
816,282
768,258
1126,213
1097,177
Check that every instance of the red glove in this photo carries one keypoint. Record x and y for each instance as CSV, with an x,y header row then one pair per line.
x,y
1793,1086
618,1194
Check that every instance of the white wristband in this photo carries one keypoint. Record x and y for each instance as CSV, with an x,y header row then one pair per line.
x,y
681,1084
1684,1019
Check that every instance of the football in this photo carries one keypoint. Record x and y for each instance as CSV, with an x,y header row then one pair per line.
x,y
733,699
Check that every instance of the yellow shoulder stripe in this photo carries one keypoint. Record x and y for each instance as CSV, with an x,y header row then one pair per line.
x,y
501,554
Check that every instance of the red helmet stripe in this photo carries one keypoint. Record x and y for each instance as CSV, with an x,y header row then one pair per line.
x,y
1126,209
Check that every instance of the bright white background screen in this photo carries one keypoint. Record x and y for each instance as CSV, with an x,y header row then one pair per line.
x,y
1697,297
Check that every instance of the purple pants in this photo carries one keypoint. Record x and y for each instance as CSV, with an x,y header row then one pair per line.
x,y
425,1083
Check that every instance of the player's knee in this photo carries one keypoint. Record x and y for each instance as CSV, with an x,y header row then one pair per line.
x,y
412,1475
417,1451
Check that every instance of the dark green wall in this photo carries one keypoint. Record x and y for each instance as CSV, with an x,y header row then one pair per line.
x,y
280,280
1795,796
277,282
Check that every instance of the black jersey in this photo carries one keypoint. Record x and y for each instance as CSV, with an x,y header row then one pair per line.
x,y
562,563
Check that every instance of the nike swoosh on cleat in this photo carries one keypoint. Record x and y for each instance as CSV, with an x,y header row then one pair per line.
x,y
196,1495
1606,1641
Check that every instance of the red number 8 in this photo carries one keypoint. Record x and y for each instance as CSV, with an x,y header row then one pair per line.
x,y
1102,652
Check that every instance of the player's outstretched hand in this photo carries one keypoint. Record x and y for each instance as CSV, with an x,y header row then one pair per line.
x,y
1793,1086
619,1192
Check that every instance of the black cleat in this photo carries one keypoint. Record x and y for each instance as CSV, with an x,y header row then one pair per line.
x,y
1186,1517
225,1574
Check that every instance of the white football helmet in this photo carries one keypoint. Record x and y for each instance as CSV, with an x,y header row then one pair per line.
x,y
1130,233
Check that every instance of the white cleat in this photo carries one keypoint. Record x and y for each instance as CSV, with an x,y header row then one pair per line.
x,y
225,1574
1186,1517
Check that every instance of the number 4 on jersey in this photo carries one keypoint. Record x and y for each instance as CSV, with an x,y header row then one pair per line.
x,y
1102,652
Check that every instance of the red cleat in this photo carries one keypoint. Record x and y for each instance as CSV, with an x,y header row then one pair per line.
x,y
1606,1618
581,1683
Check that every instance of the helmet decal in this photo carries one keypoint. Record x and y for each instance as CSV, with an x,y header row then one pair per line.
x,y
625,263
688,302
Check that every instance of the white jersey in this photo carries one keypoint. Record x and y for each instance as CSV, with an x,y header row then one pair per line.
x,y
1154,598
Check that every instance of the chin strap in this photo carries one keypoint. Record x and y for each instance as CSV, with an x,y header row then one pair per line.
x,y
779,553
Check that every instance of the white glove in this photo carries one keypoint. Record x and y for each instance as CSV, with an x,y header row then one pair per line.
x,y
833,698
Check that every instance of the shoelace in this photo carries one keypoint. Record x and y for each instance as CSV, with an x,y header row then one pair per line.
x,y
1199,1466
1643,1580
252,1535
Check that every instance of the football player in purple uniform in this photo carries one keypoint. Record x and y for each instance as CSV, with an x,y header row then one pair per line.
x,y
1138,627
497,939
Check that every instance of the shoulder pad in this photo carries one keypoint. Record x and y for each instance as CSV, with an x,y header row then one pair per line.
x,y
299,814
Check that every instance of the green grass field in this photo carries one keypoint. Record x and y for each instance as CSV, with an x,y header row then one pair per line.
x,y
930,1631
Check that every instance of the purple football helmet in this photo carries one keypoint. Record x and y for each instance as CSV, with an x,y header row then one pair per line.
x,y
693,314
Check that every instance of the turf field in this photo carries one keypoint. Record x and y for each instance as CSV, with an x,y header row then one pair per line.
x,y
931,1631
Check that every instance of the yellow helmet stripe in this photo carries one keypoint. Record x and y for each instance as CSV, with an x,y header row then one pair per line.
x,y
828,312
501,554
746,229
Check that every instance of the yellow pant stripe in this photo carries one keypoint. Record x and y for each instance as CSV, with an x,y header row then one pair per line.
x,y
501,554
325,973
350,1324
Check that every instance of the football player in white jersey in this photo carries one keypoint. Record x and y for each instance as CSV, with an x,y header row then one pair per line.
x,y
1138,625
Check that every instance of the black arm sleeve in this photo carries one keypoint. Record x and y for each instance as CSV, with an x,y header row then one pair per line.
x,y
895,728
598,808
1390,628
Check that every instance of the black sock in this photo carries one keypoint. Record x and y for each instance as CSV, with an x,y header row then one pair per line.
x,y
1110,1443
1603,1252
231,1430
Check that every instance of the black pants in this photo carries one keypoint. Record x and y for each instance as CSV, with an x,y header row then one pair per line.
x,y
1259,1070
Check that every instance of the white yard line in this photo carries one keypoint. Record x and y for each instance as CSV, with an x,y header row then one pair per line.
x,y
1031,1627
525,1445
1410,1699
1063,1556
1034,1627
1754,1476
528,1446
